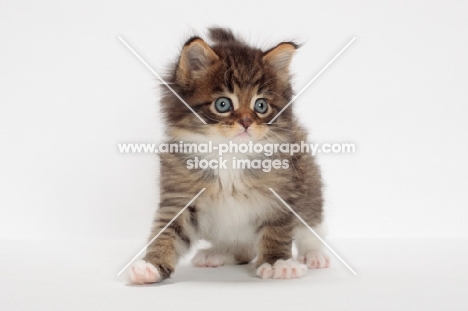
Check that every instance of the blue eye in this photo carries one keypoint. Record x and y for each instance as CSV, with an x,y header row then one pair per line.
x,y
223,104
261,106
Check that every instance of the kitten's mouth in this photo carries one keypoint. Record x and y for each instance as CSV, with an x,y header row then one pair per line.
x,y
243,135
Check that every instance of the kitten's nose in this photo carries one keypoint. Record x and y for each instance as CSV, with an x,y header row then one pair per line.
x,y
246,122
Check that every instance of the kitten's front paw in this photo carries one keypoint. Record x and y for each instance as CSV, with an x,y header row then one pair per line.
x,y
315,260
143,272
209,258
282,269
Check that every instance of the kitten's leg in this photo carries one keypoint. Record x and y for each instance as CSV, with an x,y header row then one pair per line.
x,y
219,256
274,259
309,248
163,254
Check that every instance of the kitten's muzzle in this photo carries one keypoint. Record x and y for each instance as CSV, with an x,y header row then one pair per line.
x,y
245,122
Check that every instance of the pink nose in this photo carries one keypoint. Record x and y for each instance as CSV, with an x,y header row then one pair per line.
x,y
245,122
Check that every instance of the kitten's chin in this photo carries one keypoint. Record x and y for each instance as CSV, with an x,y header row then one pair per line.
x,y
248,135
244,135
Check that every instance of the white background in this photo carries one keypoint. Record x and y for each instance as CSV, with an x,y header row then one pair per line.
x,y
70,92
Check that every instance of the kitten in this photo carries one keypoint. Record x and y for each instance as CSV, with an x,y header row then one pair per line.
x,y
237,90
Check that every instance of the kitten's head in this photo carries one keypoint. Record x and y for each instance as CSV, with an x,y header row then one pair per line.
x,y
235,88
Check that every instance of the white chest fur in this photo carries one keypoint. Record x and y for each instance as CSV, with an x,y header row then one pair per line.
x,y
232,215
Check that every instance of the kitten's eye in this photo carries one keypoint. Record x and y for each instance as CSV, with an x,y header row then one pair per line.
x,y
223,104
261,106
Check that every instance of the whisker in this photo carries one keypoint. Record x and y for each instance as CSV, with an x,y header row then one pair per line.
x,y
261,85
290,129
277,94
225,73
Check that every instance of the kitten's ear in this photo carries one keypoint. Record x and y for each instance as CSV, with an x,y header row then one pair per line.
x,y
280,57
195,59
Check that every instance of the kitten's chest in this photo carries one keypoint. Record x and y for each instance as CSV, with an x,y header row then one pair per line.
x,y
233,210
227,219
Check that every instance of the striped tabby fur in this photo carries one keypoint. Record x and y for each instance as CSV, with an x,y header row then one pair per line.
x,y
237,213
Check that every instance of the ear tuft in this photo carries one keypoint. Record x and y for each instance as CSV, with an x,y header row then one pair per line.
x,y
280,56
195,59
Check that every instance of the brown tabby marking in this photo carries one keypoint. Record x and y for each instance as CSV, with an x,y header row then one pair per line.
x,y
257,224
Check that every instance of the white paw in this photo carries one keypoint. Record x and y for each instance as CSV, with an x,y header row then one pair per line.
x,y
209,258
315,260
143,272
282,269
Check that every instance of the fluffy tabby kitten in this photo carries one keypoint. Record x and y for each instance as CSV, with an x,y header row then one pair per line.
x,y
237,90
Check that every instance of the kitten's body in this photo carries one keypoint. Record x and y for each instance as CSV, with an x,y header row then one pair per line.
x,y
237,213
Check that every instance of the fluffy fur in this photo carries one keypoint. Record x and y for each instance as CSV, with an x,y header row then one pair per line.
x,y
237,213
